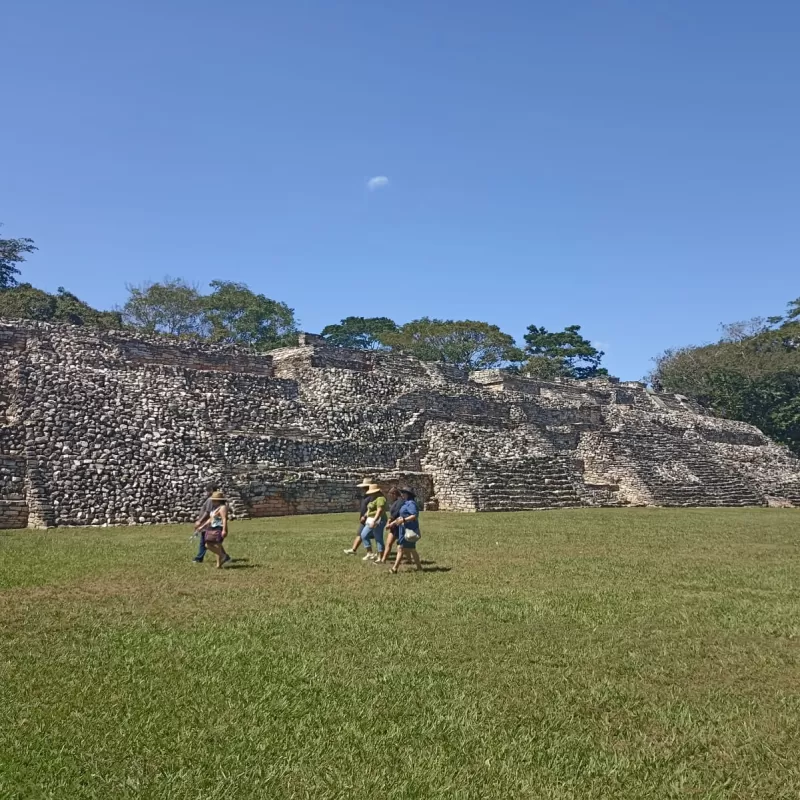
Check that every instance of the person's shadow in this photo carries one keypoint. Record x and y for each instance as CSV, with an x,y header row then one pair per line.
x,y
431,566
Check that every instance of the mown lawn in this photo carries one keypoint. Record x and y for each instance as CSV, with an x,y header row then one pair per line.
x,y
616,654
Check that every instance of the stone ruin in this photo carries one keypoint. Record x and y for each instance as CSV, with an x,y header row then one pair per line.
x,y
113,428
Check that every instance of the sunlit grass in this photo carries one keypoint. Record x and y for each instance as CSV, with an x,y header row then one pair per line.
x,y
579,654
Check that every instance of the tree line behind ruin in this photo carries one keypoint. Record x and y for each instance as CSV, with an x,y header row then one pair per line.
x,y
751,374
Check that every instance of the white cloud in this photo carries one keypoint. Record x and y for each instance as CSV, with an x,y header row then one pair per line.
x,y
378,182
601,346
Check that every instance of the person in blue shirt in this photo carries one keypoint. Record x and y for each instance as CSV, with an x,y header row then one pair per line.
x,y
408,531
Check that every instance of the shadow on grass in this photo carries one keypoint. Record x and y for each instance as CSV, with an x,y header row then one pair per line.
x,y
233,564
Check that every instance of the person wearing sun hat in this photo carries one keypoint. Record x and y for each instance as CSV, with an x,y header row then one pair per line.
x,y
216,530
362,517
375,522
201,524
409,529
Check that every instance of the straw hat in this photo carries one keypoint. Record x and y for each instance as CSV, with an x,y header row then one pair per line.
x,y
364,484
218,496
373,488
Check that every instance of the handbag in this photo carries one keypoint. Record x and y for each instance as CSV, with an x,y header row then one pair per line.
x,y
213,536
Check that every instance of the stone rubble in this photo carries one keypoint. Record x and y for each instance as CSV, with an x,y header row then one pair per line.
x,y
116,428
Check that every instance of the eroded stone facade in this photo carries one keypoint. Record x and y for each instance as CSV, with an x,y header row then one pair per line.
x,y
105,428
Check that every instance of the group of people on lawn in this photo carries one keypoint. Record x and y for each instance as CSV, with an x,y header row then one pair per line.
x,y
400,521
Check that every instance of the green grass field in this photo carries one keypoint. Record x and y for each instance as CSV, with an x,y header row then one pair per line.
x,y
640,653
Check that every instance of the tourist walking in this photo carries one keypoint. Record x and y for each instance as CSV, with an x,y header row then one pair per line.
x,y
216,527
202,523
393,523
375,522
409,532
362,518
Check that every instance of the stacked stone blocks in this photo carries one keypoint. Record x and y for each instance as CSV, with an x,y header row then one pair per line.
x,y
108,428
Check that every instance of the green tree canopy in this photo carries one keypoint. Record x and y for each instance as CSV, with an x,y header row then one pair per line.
x,y
231,313
751,374
359,333
237,315
466,344
171,306
12,252
561,354
27,302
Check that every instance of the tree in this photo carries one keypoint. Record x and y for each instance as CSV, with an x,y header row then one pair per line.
x,y
565,354
466,344
751,374
359,333
12,252
172,306
27,302
72,309
237,315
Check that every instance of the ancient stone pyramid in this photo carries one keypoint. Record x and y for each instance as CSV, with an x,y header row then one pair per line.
x,y
114,428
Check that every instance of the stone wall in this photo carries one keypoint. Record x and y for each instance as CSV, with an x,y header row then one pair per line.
x,y
107,428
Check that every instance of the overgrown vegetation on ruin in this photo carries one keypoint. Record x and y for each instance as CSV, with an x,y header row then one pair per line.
x,y
640,653
751,374
232,313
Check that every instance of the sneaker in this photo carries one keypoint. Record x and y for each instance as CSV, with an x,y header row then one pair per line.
x,y
197,560
226,559
368,557
350,552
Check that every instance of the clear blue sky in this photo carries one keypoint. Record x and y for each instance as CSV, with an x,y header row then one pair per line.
x,y
630,166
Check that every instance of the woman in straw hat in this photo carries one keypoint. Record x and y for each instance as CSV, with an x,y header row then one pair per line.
x,y
362,518
375,523
217,529
408,530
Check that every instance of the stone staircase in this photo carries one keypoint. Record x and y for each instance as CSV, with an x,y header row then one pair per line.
x,y
698,480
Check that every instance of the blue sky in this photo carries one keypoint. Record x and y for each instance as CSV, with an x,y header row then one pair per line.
x,y
629,166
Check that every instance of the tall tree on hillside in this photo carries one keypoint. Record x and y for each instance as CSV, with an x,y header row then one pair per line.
x,y
12,252
237,315
359,333
171,306
561,354
466,344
